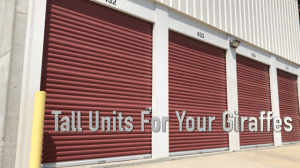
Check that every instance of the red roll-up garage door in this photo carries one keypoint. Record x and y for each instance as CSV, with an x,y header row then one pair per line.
x,y
288,103
253,97
95,59
197,85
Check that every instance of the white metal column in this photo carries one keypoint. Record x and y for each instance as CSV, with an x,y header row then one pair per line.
x,y
31,77
232,95
275,98
160,80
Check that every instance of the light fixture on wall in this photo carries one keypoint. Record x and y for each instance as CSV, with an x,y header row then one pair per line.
x,y
234,43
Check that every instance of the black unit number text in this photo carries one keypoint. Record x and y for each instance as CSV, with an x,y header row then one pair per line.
x,y
201,35
114,2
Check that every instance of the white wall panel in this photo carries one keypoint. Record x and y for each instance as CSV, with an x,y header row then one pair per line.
x,y
182,6
269,24
297,29
191,7
204,10
228,18
223,16
211,14
279,35
217,13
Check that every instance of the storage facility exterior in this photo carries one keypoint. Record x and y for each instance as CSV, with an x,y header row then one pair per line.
x,y
160,56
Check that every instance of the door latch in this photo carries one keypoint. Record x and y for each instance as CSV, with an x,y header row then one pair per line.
x,y
149,109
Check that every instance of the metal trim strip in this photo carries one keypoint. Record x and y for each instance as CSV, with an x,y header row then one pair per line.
x,y
256,146
95,161
198,151
288,143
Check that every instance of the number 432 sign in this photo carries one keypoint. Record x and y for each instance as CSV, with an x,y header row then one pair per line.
x,y
114,2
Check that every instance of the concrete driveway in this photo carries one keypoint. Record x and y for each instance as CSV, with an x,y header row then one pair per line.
x,y
283,156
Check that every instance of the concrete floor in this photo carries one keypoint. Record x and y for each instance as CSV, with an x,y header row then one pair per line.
x,y
285,156
266,157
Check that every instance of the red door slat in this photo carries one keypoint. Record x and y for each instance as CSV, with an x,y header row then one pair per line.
x,y
197,85
95,59
288,104
253,97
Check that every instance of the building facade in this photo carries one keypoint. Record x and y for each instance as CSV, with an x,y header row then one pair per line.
x,y
197,57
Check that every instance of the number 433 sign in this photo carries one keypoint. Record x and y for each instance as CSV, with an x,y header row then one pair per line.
x,y
201,35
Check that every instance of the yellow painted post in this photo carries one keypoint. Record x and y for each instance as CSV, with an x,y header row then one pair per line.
x,y
37,130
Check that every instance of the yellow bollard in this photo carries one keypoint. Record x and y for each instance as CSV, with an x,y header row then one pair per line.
x,y
37,130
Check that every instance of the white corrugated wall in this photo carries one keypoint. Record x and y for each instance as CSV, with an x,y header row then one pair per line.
x,y
269,24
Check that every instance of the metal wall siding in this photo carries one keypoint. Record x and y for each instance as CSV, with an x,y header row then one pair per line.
x,y
253,97
215,12
297,28
95,59
205,9
277,26
183,5
228,19
233,14
197,85
191,7
197,12
237,20
267,26
223,16
263,25
288,103
272,25
292,36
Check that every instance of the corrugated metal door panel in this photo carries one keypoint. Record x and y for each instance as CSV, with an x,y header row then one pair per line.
x,y
253,97
288,103
95,59
197,85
